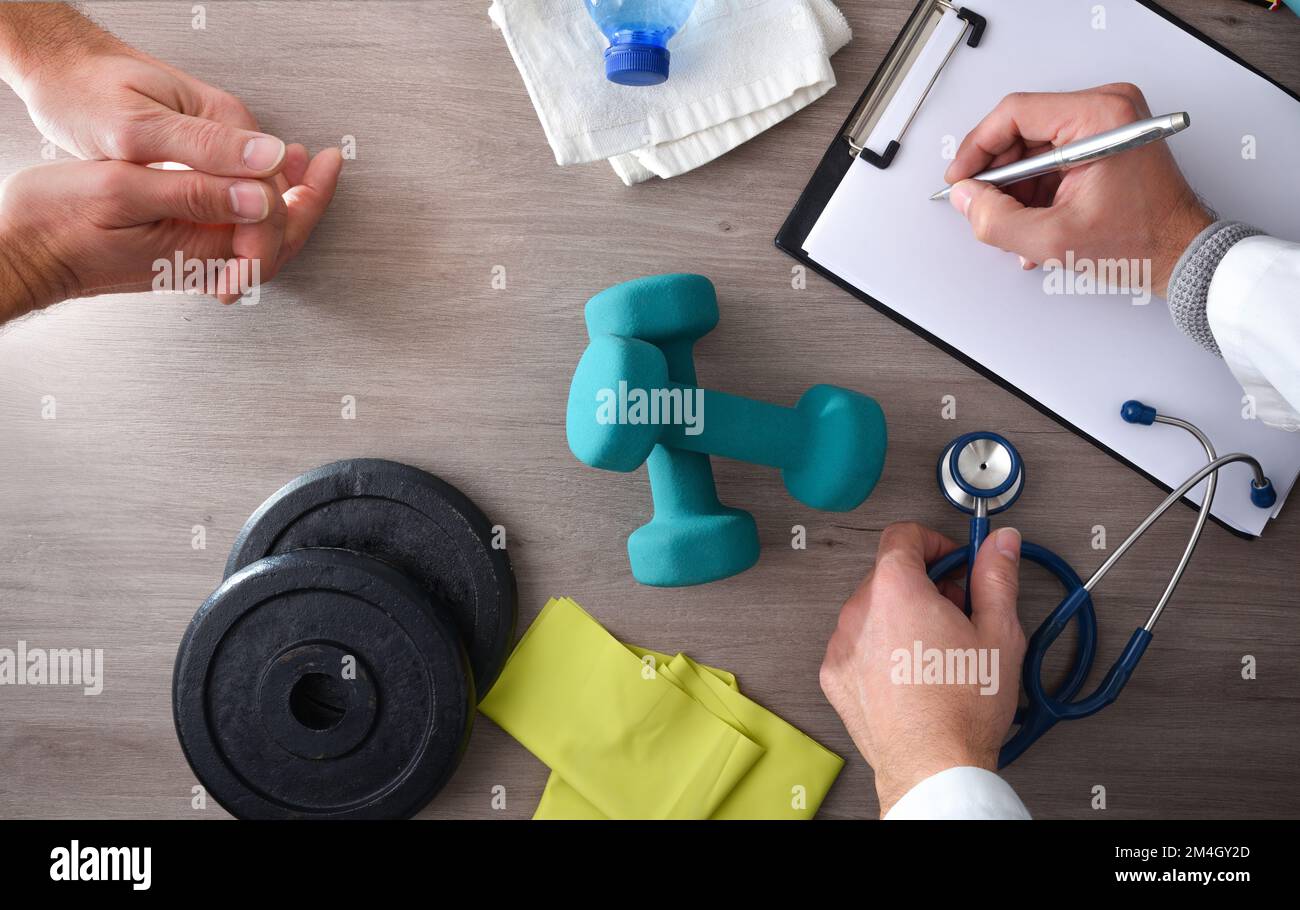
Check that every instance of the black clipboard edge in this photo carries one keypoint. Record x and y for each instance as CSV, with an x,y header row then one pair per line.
x,y
835,164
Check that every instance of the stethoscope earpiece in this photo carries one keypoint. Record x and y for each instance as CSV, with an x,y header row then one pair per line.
x,y
1263,495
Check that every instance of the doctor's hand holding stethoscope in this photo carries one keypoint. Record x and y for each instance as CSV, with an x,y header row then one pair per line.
x,y
938,743
926,675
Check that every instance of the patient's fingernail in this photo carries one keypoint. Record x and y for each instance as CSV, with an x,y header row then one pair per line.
x,y
960,197
263,153
248,201
1007,540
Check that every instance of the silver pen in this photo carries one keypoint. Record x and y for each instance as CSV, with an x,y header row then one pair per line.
x,y
1094,148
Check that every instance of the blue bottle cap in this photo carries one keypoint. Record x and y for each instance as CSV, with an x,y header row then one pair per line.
x,y
636,64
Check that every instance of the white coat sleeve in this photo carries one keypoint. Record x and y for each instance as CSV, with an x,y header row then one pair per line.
x,y
1253,309
960,793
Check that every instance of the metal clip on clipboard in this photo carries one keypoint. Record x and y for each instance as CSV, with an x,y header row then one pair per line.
x,y
902,57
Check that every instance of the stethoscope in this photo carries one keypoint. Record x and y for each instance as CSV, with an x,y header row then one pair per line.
x,y
982,474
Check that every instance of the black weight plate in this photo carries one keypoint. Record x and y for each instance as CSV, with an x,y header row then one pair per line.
x,y
415,522
273,724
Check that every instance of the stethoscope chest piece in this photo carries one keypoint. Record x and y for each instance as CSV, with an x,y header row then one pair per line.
x,y
981,466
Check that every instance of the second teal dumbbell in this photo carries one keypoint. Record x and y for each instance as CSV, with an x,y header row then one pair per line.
x,y
830,447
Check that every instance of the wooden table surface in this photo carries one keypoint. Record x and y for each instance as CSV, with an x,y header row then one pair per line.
x,y
173,414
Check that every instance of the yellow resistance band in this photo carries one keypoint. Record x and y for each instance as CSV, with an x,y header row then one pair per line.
x,y
630,733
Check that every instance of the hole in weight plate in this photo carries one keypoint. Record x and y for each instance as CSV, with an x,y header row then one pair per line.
x,y
317,701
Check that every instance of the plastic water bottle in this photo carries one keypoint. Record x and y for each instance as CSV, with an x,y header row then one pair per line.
x,y
638,33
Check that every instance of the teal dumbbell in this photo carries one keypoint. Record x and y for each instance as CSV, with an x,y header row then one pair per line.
x,y
692,537
830,447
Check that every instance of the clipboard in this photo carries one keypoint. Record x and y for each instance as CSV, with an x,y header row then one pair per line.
x,y
855,139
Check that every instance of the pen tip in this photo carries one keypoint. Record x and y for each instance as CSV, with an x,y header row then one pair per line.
x,y
939,196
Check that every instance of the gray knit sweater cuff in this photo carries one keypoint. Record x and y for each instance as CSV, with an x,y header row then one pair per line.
x,y
1189,284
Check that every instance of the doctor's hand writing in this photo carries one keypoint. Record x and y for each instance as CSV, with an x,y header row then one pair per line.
x,y
1135,205
907,728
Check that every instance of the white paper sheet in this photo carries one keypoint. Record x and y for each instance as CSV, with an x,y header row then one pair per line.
x,y
1080,356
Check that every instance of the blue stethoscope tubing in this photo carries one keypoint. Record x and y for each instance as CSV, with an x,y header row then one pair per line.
x,y
1043,710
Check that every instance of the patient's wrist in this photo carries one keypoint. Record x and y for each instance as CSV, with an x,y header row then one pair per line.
x,y
33,35
29,279
15,298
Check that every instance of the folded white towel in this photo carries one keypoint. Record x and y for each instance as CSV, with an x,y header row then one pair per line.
x,y
738,67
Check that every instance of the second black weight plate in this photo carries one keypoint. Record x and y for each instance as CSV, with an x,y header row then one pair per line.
x,y
415,522
320,684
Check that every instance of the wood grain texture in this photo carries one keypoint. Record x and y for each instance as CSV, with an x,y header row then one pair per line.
x,y
175,414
